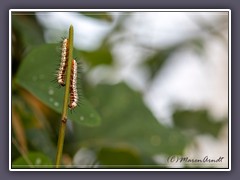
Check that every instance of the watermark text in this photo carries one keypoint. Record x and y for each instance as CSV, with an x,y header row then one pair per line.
x,y
206,159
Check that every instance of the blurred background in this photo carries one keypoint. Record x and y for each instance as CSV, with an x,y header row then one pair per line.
x,y
158,80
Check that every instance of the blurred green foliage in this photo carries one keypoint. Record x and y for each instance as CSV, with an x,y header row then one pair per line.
x,y
100,56
112,120
198,121
156,62
33,160
105,16
127,124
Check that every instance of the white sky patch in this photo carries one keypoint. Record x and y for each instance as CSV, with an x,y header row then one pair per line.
x,y
88,32
161,29
182,82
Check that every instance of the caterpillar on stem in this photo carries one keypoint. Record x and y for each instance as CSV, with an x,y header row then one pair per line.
x,y
64,62
73,86
61,75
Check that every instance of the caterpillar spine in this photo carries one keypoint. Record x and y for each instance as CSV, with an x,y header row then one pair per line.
x,y
73,86
64,63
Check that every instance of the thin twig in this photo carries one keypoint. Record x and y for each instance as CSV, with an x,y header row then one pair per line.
x,y
65,104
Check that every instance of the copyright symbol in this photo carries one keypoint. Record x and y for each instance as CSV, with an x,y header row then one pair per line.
x,y
172,159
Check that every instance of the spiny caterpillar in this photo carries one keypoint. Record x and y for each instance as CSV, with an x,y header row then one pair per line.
x,y
64,63
61,74
73,86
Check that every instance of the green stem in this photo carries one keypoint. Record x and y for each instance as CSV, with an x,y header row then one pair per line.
x,y
62,128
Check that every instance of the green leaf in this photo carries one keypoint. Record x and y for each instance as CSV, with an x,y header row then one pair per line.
x,y
100,56
40,141
98,15
36,74
199,122
32,160
118,157
157,61
127,121
27,28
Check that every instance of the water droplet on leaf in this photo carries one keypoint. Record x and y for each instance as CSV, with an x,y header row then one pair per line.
x,y
38,161
50,91
81,118
56,104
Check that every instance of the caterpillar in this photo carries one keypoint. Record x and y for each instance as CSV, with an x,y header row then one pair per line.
x,y
73,102
64,62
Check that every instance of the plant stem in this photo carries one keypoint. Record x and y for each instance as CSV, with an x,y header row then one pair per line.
x,y
62,128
